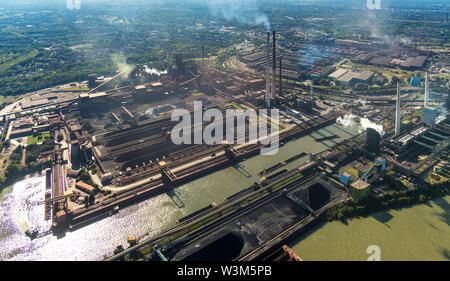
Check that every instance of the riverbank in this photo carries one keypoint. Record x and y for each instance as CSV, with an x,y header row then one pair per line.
x,y
15,172
416,232
354,208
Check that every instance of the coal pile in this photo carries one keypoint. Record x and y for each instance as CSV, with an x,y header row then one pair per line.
x,y
319,196
226,248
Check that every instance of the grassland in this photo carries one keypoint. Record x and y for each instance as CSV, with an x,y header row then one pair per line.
x,y
38,138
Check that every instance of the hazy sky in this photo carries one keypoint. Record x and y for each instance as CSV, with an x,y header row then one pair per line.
x,y
445,4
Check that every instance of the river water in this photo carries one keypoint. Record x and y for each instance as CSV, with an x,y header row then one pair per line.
x,y
19,208
420,232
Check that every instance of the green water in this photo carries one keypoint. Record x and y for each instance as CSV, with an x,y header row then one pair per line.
x,y
420,232
218,185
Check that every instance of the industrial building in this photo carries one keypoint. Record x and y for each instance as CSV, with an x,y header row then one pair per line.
x,y
429,115
359,189
373,140
398,58
401,142
415,81
345,177
86,188
319,72
346,77
26,126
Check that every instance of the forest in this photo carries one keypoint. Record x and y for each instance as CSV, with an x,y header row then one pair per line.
x,y
48,45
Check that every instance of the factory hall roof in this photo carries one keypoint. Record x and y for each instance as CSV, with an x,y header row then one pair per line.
x,y
381,60
347,76
96,95
140,87
156,84
338,73
429,109
405,139
84,186
360,184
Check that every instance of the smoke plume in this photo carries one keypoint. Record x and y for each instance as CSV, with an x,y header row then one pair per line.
x,y
244,11
351,121
122,65
154,71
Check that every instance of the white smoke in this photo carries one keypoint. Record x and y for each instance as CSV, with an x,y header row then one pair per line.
x,y
442,114
351,121
154,71
264,20
362,101
244,11
73,4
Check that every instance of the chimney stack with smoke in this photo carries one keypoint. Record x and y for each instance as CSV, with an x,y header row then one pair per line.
x,y
274,67
268,72
397,112
427,90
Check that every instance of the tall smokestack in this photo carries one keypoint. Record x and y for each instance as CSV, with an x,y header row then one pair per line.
x,y
312,94
280,78
427,90
397,111
268,72
274,67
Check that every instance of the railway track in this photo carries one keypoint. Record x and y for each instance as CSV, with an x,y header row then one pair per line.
x,y
212,212
156,186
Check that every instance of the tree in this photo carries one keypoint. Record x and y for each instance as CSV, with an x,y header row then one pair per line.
x,y
13,171
395,79
86,177
91,198
6,143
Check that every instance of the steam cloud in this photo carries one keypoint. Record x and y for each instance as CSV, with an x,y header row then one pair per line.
x,y
264,20
122,65
154,71
73,4
442,114
362,101
244,11
349,121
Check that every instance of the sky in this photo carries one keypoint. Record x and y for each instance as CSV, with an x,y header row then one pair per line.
x,y
436,4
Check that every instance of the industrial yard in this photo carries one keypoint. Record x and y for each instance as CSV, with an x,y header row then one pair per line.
x,y
362,125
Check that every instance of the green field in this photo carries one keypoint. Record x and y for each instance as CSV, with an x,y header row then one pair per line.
x,y
19,60
38,138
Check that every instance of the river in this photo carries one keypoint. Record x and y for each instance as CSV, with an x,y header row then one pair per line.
x,y
419,232
19,207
